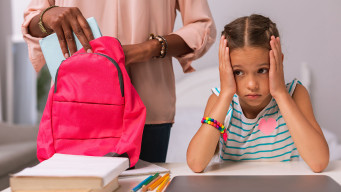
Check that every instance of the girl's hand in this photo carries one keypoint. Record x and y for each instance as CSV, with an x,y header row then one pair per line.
x,y
276,73
64,21
227,82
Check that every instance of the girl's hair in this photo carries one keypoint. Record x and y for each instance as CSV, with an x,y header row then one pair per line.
x,y
254,30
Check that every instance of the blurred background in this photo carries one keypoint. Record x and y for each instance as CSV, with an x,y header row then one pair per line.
x,y
310,36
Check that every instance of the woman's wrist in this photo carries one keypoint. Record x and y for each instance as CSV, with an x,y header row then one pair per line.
x,y
154,48
141,52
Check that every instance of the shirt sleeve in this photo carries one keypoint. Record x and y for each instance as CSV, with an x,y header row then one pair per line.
x,y
198,31
34,51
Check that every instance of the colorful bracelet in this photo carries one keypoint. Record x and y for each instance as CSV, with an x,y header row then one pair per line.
x,y
163,42
217,125
214,123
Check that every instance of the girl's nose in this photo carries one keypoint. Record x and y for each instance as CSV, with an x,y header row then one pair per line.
x,y
252,83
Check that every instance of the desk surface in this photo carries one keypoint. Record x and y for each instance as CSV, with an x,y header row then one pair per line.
x,y
240,168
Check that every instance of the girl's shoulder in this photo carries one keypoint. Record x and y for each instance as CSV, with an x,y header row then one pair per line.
x,y
299,94
216,90
292,85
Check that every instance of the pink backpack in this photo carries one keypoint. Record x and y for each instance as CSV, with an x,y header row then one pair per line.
x,y
93,109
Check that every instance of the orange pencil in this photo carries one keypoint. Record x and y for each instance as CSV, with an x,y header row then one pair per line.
x,y
145,187
163,184
157,183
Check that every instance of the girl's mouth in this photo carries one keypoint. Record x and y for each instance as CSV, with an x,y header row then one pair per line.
x,y
253,96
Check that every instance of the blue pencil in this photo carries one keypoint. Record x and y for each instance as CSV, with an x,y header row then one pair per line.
x,y
140,184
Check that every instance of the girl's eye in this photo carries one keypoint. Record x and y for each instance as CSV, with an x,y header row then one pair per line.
x,y
263,70
237,73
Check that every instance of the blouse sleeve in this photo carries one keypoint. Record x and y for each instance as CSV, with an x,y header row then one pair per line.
x,y
36,56
198,31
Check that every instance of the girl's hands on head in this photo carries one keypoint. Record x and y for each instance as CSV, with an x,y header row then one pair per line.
x,y
227,82
276,73
64,21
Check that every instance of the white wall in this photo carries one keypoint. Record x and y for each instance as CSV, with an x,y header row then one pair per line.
x,y
310,32
21,77
18,8
6,27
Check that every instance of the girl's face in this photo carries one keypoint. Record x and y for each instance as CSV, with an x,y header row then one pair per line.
x,y
251,67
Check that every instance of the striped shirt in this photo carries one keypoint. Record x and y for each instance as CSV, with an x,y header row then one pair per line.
x,y
264,138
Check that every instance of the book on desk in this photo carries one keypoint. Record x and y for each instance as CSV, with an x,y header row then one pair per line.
x,y
71,173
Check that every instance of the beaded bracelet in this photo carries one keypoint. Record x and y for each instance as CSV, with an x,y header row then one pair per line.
x,y
215,124
163,42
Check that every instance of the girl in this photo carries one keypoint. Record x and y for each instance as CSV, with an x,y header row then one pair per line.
x,y
267,120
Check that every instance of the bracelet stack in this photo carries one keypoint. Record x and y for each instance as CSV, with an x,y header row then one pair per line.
x,y
217,125
163,42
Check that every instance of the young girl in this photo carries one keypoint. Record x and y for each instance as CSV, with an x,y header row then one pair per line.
x,y
255,116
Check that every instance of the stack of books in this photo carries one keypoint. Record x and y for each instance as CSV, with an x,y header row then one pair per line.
x,y
74,173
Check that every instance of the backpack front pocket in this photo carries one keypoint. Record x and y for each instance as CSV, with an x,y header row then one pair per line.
x,y
77,120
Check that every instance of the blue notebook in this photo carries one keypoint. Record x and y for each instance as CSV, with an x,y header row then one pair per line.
x,y
53,53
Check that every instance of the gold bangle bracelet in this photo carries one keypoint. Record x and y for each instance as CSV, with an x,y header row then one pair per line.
x,y
40,23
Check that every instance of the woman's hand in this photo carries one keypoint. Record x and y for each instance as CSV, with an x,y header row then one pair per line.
x,y
64,21
276,73
227,82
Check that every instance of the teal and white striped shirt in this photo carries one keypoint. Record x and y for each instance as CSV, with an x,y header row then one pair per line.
x,y
257,139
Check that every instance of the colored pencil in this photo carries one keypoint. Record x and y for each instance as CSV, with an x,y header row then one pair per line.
x,y
151,179
167,184
163,184
140,184
145,187
157,183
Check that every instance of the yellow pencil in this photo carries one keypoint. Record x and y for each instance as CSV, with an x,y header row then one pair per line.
x,y
167,184
145,187
157,183
163,184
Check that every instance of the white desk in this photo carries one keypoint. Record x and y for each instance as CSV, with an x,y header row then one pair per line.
x,y
241,168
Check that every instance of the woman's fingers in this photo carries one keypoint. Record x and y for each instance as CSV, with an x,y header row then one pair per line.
x,y
70,40
77,29
86,28
62,42
68,20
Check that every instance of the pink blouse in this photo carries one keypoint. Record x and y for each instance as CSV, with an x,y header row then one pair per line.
x,y
131,21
